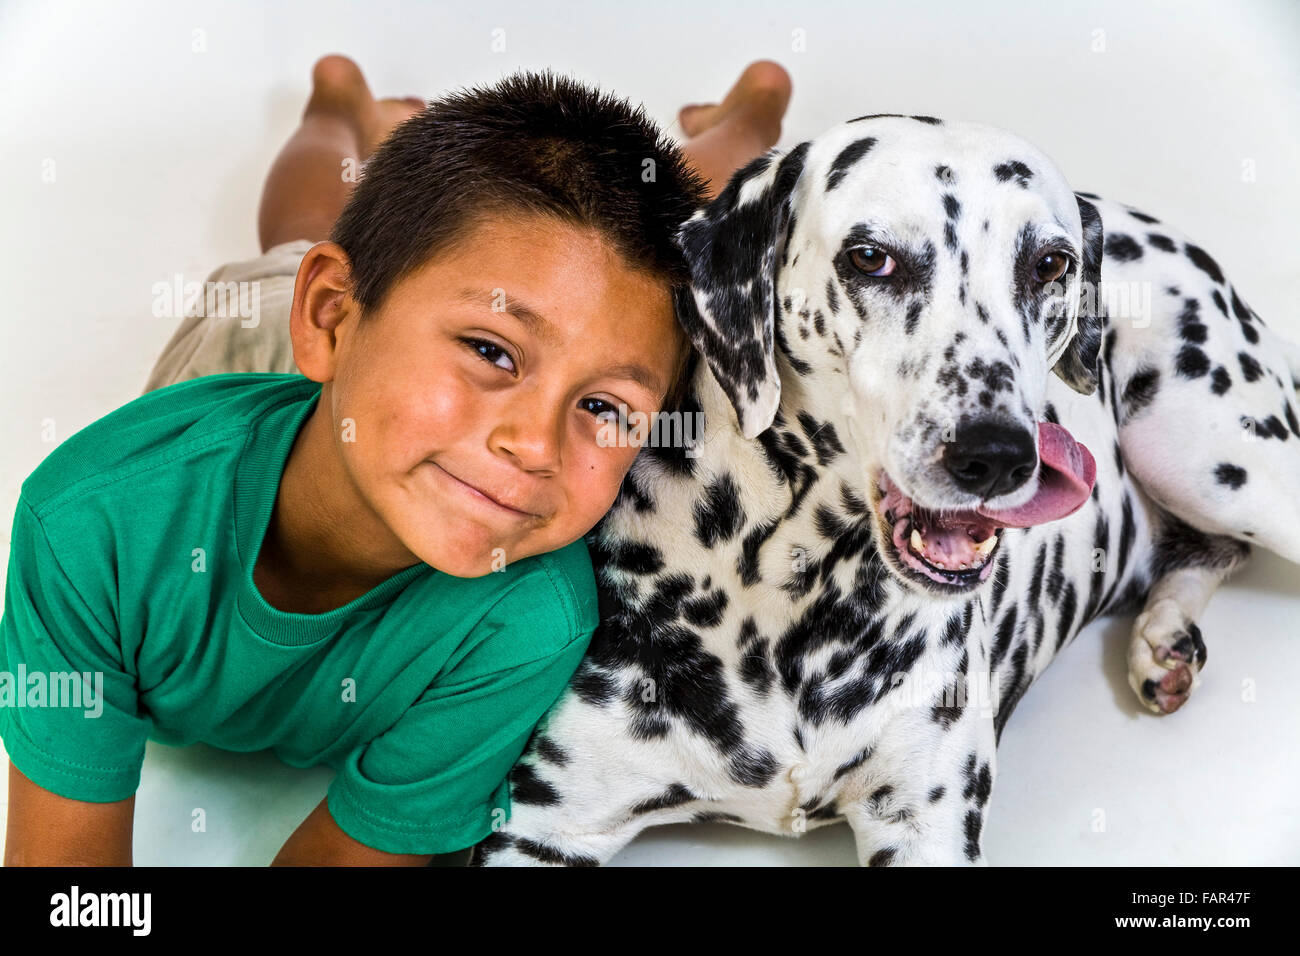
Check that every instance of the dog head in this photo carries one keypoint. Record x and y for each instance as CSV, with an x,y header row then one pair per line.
x,y
910,282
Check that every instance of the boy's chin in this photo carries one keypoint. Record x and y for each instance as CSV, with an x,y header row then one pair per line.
x,y
472,555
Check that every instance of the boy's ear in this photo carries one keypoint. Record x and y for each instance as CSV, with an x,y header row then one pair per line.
x,y
734,247
1077,366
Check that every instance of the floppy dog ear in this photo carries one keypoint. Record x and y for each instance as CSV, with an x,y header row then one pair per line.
x,y
1077,366
734,247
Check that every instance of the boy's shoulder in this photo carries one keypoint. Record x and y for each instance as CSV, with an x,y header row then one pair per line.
x,y
565,575
157,428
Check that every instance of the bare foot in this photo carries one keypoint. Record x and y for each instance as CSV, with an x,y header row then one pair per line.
x,y
758,99
339,89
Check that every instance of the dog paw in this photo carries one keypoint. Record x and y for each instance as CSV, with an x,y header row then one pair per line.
x,y
1165,658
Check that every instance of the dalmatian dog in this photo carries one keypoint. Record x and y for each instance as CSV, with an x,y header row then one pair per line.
x,y
952,411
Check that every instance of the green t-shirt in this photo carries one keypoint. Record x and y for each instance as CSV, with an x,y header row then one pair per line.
x,y
132,555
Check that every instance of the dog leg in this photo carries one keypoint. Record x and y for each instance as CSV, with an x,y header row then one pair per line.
x,y
1166,652
925,801
512,848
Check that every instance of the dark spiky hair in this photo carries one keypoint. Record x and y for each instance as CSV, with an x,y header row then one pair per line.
x,y
533,143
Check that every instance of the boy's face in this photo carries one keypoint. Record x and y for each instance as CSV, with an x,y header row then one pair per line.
x,y
451,386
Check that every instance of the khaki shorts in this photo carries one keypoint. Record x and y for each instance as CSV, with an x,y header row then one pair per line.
x,y
242,324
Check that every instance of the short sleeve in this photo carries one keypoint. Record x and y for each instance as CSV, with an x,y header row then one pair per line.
x,y
69,713
436,781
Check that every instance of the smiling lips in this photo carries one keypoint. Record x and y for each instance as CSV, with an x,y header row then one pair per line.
x,y
482,495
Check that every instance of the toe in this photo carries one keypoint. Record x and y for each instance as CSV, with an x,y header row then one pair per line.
x,y
337,72
695,117
765,76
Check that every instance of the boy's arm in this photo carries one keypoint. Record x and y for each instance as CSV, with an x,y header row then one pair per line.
x,y
46,829
319,841
91,749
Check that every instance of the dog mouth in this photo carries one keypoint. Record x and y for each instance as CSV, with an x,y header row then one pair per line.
x,y
954,550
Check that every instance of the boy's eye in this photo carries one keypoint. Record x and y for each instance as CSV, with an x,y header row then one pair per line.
x,y
606,411
490,352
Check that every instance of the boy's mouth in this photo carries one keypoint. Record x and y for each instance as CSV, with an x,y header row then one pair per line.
x,y
477,494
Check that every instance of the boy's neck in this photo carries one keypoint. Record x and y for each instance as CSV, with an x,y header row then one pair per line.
x,y
324,545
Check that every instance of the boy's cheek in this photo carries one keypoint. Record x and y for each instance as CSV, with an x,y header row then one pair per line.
x,y
599,479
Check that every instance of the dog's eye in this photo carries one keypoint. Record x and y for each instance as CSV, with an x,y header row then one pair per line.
x,y
1051,267
871,261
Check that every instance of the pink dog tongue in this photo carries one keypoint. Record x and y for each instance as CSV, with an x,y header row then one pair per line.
x,y
1064,481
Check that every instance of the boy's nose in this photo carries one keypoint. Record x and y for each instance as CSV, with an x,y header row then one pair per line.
x,y
532,435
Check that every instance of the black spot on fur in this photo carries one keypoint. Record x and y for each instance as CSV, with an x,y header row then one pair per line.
x,y
1141,390
849,155
923,119
974,823
1218,301
1122,248
1203,261
852,763
551,752
1250,368
675,795
822,436
1014,167
715,816
1239,308
1192,362
592,686
1222,381
1190,326
718,515
1142,217
548,854
527,787
1163,243
1231,475
913,316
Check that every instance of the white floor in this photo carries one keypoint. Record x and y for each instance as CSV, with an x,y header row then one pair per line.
x,y
133,139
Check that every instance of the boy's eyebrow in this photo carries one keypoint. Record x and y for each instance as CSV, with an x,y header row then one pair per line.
x,y
536,323
542,327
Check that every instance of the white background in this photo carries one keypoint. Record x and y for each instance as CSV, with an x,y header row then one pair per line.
x,y
159,153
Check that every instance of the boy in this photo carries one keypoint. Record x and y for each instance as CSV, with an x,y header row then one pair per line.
x,y
367,553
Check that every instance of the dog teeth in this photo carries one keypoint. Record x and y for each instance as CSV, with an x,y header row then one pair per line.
x,y
987,545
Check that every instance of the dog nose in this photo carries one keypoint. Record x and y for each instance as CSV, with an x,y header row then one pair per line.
x,y
991,457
